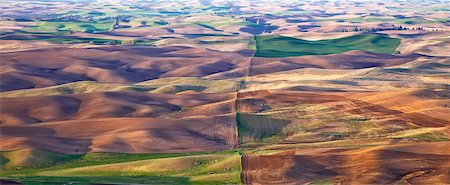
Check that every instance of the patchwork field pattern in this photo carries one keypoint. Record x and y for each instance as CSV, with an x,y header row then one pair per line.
x,y
216,92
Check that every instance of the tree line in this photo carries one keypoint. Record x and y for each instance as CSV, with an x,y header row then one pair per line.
x,y
377,29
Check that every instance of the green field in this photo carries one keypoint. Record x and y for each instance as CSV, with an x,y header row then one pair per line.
x,y
33,166
56,36
281,46
75,40
95,26
160,180
257,127
214,24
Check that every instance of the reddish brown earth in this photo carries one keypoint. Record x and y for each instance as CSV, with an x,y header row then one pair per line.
x,y
47,67
119,122
356,118
168,123
116,64
409,106
141,122
31,110
124,135
427,163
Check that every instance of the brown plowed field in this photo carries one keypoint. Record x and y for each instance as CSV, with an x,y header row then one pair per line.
x,y
427,163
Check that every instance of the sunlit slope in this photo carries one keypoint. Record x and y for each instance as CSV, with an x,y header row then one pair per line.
x,y
170,85
284,119
182,168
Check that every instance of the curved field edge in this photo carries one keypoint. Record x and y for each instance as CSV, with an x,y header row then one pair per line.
x,y
34,166
283,46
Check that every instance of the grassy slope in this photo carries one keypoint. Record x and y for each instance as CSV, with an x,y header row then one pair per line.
x,y
219,23
88,180
318,123
54,36
176,85
69,88
164,85
36,167
254,127
73,26
281,46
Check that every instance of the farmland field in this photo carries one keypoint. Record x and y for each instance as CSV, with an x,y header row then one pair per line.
x,y
213,92
194,168
280,46
72,26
